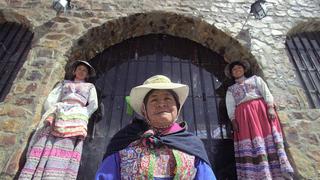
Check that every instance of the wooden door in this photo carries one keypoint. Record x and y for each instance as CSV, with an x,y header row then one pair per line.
x,y
129,63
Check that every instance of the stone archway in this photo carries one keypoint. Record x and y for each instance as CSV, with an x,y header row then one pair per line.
x,y
11,16
157,22
311,25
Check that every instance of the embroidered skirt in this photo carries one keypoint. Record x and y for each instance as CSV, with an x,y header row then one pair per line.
x,y
53,157
55,149
259,148
70,120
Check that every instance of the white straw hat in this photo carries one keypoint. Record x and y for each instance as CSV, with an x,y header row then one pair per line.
x,y
138,93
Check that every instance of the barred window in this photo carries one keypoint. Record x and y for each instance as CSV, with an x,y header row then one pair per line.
x,y
15,42
304,50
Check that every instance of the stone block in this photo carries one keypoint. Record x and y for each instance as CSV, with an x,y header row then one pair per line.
x,y
16,112
11,125
310,138
43,62
18,88
305,125
298,115
32,87
315,154
60,19
292,136
7,140
73,30
58,37
313,115
42,53
35,75
24,101
51,44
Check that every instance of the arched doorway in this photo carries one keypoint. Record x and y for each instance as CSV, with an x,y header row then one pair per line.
x,y
125,65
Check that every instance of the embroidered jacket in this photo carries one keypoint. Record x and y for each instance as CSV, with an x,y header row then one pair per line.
x,y
73,104
112,169
252,88
140,162
83,92
178,155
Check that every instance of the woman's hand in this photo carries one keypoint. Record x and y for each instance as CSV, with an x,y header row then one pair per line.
x,y
271,113
235,125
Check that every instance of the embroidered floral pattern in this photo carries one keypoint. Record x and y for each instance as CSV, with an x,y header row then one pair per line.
x,y
76,91
240,91
140,162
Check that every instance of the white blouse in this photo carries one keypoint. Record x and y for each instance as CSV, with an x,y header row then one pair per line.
x,y
83,92
252,88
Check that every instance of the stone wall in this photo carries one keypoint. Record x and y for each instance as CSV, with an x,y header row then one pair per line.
x,y
92,26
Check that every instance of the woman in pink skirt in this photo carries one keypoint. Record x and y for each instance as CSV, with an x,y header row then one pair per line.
x,y
55,148
258,138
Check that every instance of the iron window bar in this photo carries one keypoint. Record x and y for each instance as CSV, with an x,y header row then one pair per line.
x,y
300,55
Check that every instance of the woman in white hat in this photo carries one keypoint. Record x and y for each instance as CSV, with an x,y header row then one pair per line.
x,y
258,141
157,147
55,149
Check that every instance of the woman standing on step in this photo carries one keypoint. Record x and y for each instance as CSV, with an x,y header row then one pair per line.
x,y
157,147
55,148
258,139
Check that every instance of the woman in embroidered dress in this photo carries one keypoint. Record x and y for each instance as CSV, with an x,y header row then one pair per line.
x,y
157,147
55,148
258,141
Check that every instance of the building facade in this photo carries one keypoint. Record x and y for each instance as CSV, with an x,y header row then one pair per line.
x,y
225,27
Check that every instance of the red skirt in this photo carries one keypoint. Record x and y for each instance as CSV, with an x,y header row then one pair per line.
x,y
259,148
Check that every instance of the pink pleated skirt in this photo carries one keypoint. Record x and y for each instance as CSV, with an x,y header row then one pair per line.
x,y
259,147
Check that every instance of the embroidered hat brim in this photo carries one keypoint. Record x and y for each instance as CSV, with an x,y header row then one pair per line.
x,y
160,82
